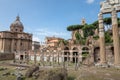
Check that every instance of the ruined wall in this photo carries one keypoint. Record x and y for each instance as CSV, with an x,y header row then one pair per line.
x,y
109,54
6,56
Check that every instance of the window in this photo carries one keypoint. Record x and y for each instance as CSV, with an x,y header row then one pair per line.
x,y
14,49
21,44
15,44
16,29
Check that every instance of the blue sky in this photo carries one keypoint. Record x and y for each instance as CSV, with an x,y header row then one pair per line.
x,y
48,17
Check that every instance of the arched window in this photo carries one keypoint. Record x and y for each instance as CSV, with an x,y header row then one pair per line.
x,y
75,55
16,29
66,54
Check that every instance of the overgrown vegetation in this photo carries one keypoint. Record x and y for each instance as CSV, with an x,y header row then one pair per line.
x,y
85,54
108,38
65,42
74,27
88,30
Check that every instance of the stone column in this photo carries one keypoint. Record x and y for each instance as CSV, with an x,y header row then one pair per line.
x,y
80,56
68,58
115,37
102,40
18,45
12,45
4,45
71,55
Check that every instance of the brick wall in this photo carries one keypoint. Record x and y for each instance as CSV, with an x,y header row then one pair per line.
x,y
6,56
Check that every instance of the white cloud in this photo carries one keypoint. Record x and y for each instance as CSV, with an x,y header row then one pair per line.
x,y
2,28
35,38
40,34
46,32
90,1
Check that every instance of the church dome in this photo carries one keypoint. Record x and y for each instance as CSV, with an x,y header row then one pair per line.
x,y
17,25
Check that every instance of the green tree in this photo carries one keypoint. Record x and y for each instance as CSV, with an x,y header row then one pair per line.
x,y
79,38
74,27
88,30
108,38
65,42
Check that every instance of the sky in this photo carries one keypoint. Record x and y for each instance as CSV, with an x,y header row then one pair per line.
x,y
48,17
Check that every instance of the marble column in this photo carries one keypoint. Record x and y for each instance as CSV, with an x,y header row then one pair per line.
x,y
102,40
115,37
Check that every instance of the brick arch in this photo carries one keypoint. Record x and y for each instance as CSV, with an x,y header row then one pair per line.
x,y
75,48
75,53
66,53
96,54
66,48
88,47
85,52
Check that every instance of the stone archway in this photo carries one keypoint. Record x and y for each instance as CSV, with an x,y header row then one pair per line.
x,y
66,54
96,54
75,55
21,57
85,54
110,55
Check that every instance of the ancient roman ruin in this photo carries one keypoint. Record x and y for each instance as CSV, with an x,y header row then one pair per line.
x,y
109,7
93,52
15,40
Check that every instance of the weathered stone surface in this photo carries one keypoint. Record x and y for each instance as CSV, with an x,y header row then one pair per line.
x,y
6,74
102,40
31,70
6,56
36,74
53,74
116,40
1,69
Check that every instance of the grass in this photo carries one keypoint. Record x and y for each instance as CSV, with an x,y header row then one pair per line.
x,y
83,73
95,74
70,78
8,77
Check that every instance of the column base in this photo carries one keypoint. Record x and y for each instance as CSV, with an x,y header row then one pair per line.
x,y
104,65
117,66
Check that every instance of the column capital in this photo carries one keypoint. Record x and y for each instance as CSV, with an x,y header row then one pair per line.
x,y
114,14
100,16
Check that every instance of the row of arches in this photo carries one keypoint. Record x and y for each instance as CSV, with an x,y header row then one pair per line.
x,y
109,54
73,55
